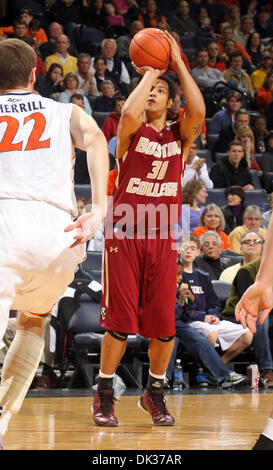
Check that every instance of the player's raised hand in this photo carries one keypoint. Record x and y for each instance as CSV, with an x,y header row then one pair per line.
x,y
257,300
175,51
87,224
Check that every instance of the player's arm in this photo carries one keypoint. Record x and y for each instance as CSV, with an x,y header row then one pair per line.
x,y
87,136
132,111
258,298
194,115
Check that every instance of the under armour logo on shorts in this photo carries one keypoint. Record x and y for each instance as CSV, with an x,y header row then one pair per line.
x,y
113,248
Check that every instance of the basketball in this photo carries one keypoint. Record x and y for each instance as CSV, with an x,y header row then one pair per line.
x,y
150,47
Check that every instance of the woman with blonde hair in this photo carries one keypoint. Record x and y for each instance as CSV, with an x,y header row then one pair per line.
x,y
71,86
245,135
212,218
216,60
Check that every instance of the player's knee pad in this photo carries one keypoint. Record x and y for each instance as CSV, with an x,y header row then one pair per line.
x,y
166,339
19,368
119,336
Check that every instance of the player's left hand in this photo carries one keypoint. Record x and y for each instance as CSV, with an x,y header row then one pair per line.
x,y
175,51
257,299
87,224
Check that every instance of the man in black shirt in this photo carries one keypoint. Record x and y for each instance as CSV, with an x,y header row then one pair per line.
x,y
232,170
210,261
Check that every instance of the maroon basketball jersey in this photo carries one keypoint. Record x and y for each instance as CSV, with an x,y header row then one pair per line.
x,y
149,179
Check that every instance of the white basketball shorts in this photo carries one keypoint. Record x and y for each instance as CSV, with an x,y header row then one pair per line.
x,y
36,263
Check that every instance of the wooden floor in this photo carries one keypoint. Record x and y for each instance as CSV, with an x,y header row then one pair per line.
x,y
225,421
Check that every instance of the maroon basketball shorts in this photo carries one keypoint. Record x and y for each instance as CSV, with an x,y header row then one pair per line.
x,y
139,286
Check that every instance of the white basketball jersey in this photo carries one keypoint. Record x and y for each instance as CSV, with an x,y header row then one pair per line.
x,y
36,152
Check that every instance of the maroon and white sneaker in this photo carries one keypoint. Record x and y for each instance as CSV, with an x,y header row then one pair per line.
x,y
154,402
103,408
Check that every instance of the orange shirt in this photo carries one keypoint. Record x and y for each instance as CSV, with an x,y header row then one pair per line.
x,y
225,242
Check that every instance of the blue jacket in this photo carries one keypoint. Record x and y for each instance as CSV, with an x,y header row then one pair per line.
x,y
206,301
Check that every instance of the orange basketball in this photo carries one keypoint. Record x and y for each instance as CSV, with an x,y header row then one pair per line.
x,y
150,47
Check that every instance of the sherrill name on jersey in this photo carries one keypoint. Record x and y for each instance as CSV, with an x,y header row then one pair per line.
x,y
36,147
151,171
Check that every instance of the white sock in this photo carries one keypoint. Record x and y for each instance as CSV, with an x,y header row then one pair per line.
x,y
105,376
268,430
4,421
157,376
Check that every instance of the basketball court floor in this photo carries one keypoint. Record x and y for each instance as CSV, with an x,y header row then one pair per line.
x,y
210,419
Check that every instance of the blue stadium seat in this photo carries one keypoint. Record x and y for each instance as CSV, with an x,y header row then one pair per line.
x,y
217,196
257,197
100,117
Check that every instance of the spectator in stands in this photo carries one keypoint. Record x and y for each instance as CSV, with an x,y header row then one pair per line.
x,y
232,170
212,218
199,348
211,261
254,48
252,221
251,247
215,57
101,72
264,94
40,69
203,311
266,161
71,86
244,278
104,103
195,196
233,17
123,7
204,75
112,18
110,124
225,117
152,16
181,22
50,83
227,134
243,33
196,168
36,32
245,135
227,33
61,56
123,42
259,75
237,76
229,48
259,126
94,15
86,79
204,23
81,203
20,29
262,22
47,48
235,208
65,12
116,68
78,99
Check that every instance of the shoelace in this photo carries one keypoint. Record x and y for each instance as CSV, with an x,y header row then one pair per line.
x,y
159,402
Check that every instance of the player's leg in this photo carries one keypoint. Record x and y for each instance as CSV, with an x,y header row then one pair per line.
x,y
20,365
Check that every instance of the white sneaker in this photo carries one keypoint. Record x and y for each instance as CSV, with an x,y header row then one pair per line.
x,y
236,378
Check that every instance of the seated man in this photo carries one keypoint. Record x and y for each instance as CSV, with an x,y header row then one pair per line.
x,y
227,133
205,76
251,249
197,300
210,260
232,170
252,220
261,341
225,117
196,168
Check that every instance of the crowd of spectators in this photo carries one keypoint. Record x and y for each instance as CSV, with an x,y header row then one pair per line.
x,y
82,49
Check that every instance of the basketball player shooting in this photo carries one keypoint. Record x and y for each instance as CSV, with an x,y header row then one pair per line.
x,y
140,272
255,305
41,246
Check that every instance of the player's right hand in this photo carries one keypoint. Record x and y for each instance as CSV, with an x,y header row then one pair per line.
x,y
87,224
257,300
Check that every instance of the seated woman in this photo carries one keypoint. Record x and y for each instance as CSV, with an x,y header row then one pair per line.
x,y
216,60
245,135
50,83
212,218
234,210
252,221
194,194
71,84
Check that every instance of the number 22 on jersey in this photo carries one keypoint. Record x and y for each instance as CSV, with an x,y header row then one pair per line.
x,y
34,141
